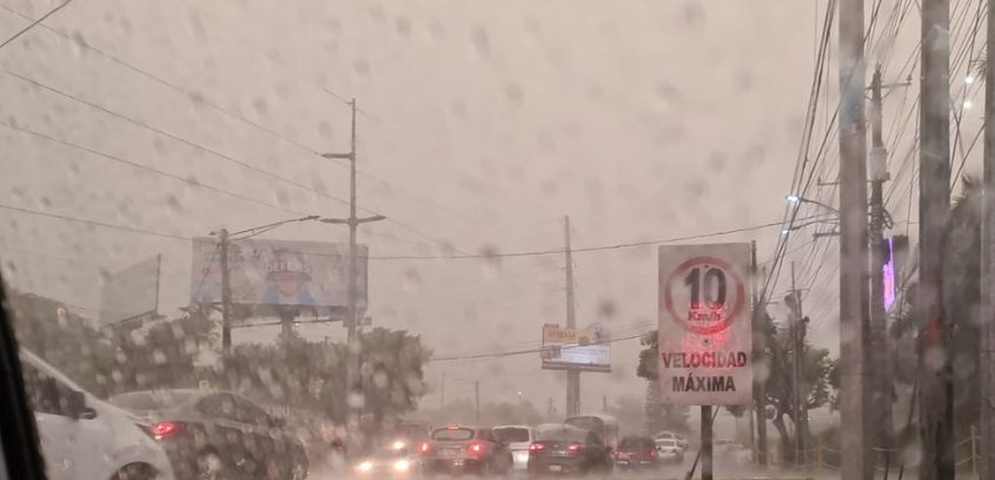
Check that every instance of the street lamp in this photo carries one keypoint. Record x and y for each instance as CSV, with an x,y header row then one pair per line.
x,y
352,358
795,200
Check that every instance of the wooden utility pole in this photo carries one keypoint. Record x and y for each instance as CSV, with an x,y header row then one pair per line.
x,y
987,363
854,306
353,383
225,293
935,381
573,374
879,354
760,362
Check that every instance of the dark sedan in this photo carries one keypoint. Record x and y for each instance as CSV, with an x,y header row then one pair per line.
x,y
636,453
457,449
567,450
217,434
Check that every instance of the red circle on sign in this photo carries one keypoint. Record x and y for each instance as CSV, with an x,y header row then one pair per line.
x,y
732,313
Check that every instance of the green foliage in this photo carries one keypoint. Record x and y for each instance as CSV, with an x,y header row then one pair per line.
x,y
962,300
659,417
68,341
171,354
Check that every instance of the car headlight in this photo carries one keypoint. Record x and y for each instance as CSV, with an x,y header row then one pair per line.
x,y
402,465
364,467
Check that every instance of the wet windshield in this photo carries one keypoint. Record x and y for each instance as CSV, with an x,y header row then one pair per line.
x,y
264,239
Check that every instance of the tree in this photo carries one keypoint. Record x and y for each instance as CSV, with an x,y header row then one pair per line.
x,y
64,339
630,413
962,300
819,375
659,417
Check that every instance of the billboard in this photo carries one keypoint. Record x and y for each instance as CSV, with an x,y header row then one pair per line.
x,y
131,294
272,276
587,350
705,354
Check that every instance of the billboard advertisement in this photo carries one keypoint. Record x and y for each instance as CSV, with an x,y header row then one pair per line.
x,y
587,350
705,354
272,276
131,294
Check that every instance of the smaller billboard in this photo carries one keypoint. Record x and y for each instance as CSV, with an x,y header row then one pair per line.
x,y
587,350
131,294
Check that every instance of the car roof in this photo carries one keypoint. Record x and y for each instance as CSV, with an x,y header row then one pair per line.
x,y
512,426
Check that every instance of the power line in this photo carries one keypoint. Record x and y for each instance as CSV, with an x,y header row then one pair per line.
x,y
556,251
514,353
200,99
140,166
34,23
95,223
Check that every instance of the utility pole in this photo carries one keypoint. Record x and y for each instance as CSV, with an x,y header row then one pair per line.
x,y
935,381
879,354
573,375
799,407
353,385
759,362
225,293
854,306
442,393
987,363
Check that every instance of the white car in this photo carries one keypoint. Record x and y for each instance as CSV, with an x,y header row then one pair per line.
x,y
669,451
83,437
518,438
681,440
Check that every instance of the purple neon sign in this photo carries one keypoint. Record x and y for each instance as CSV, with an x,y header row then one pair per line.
x,y
888,271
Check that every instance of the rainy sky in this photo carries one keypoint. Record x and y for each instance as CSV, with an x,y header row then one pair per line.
x,y
481,125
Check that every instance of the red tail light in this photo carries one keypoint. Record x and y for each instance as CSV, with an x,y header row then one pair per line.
x,y
476,448
537,447
653,453
576,447
425,448
165,430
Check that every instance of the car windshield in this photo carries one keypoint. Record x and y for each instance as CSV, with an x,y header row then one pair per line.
x,y
512,434
564,433
453,434
636,444
322,226
665,443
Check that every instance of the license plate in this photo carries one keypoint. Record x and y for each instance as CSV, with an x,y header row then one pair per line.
x,y
555,468
448,453
623,462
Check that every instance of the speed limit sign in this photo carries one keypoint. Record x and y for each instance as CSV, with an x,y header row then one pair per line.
x,y
705,329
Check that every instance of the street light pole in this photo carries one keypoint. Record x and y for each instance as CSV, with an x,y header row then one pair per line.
x,y
352,320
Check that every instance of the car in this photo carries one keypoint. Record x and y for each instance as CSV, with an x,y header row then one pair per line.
x,y
212,433
561,449
669,451
397,460
67,417
636,453
681,440
518,438
460,449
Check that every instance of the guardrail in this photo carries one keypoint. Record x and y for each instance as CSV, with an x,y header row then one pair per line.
x,y
819,457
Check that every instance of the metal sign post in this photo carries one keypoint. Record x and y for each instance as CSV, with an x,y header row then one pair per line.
x,y
706,442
